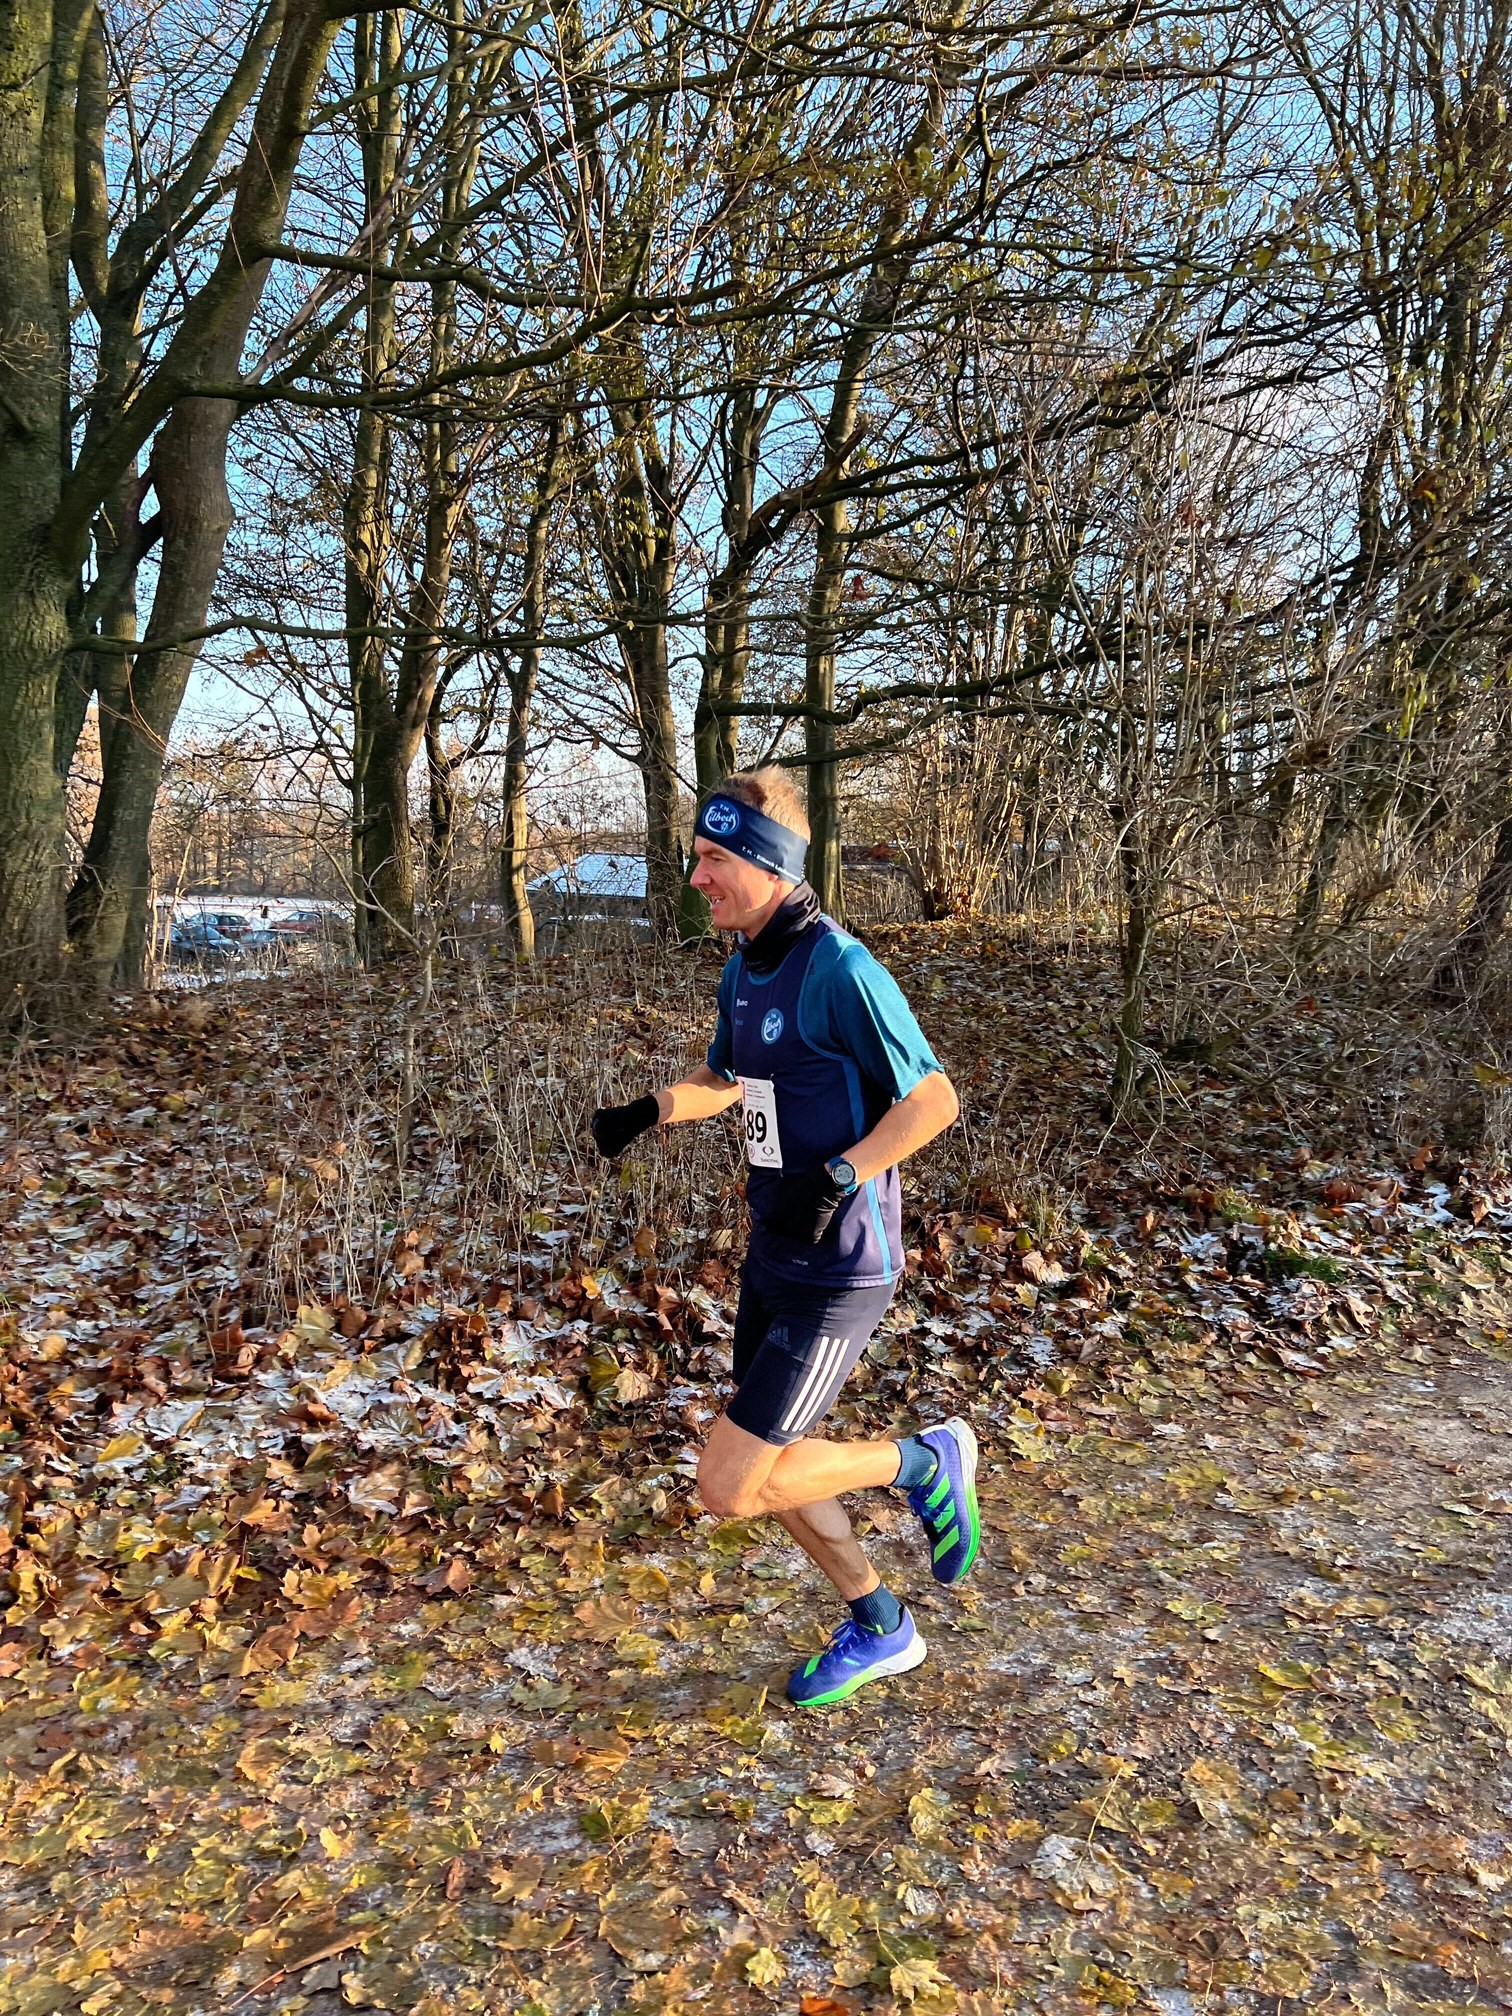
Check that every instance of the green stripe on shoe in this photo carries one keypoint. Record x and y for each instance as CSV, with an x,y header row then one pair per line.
x,y
939,1491
840,1693
975,1528
948,1542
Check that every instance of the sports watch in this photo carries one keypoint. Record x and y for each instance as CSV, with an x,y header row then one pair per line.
x,y
844,1174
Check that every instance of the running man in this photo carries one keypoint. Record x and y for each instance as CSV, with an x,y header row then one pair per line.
x,y
838,1085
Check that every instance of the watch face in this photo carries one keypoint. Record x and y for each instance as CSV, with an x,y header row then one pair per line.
x,y
844,1173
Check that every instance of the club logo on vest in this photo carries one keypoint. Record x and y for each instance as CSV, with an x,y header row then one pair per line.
x,y
771,1025
721,819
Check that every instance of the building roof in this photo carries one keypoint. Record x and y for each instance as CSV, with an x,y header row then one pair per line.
x,y
598,875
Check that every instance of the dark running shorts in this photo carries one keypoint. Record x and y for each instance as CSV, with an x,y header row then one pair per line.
x,y
795,1345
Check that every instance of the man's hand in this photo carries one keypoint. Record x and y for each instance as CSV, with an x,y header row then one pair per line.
x,y
929,1109
804,1204
615,1127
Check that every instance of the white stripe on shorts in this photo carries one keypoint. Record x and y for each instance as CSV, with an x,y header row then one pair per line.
x,y
816,1382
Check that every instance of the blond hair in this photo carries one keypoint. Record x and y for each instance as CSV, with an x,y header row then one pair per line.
x,y
770,790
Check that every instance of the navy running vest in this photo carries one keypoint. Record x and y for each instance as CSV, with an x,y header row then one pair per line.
x,y
825,1105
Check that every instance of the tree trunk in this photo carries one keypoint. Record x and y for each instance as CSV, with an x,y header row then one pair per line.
x,y
727,613
76,688
396,734
727,623
1461,972
117,527
636,532
33,838
1138,841
518,918
1280,797
636,527
1331,832
819,691
890,268
646,656
1140,893
108,902
1133,962
727,652
91,674
35,583
441,833
364,537
377,53
388,842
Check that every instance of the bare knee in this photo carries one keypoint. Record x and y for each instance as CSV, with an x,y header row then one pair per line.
x,y
734,1471
728,1497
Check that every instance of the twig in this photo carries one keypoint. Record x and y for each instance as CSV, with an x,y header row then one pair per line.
x,y
314,1959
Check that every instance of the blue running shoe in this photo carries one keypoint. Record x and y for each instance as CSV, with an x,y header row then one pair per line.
x,y
851,1658
947,1504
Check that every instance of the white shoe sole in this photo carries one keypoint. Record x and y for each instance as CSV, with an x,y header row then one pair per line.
x,y
900,1662
968,1442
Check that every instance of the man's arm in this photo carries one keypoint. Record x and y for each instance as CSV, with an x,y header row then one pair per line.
x,y
699,1096
808,1199
862,1014
706,1090
929,1109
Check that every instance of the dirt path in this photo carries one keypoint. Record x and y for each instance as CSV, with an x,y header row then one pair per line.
x,y
1221,1722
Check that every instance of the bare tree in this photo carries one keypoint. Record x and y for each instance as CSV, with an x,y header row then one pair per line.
x,y
56,486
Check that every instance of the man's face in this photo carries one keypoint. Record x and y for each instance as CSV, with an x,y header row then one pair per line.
x,y
737,890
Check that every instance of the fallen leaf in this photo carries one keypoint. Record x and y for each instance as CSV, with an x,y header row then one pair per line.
x,y
120,1447
1285,1673
645,1931
631,1384
835,1916
275,1647
913,1978
929,1814
765,1969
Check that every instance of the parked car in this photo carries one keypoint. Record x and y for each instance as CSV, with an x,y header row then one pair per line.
x,y
242,930
303,924
195,941
595,889
556,930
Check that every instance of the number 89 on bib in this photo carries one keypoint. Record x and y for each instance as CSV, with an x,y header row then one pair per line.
x,y
763,1143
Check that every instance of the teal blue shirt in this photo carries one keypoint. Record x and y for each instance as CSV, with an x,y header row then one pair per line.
x,y
830,1032
852,1004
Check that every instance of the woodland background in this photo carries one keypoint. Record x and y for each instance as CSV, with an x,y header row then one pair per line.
x,y
1074,440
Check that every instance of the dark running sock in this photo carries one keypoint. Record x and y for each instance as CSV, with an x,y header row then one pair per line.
x,y
917,1463
880,1611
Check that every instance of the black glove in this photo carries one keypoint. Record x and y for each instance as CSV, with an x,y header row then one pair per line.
x,y
803,1205
615,1127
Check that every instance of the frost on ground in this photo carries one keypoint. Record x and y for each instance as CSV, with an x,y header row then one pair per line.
x,y
367,1648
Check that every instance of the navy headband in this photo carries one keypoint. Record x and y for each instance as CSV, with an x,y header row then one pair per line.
x,y
741,829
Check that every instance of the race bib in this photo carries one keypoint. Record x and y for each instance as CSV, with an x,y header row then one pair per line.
x,y
763,1143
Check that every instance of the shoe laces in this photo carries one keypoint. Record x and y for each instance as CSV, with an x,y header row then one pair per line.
x,y
846,1640
918,1498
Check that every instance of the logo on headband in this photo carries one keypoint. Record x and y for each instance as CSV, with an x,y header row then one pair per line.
x,y
721,818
